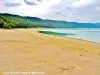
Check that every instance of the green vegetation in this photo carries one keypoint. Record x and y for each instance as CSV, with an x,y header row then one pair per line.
x,y
9,21
15,21
55,33
4,23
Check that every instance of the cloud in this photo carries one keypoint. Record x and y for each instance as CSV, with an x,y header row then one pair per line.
x,y
11,3
58,12
1,2
98,8
30,2
82,3
69,10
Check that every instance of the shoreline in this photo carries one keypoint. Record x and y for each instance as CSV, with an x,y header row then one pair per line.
x,y
42,29
62,35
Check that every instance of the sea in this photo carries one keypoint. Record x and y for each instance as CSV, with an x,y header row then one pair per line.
x,y
90,34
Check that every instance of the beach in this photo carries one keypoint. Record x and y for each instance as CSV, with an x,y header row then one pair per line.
x,y
26,50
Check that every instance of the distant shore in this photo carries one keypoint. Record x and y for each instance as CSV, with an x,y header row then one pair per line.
x,y
25,50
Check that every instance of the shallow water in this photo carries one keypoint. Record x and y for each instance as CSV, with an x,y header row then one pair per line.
x,y
92,34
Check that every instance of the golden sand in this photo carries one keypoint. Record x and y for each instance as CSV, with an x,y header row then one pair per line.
x,y
26,50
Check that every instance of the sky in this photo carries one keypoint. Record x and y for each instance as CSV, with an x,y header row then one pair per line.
x,y
68,10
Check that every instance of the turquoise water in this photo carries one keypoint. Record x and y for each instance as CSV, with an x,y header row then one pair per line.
x,y
92,34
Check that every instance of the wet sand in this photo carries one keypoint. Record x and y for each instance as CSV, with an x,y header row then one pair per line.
x,y
26,50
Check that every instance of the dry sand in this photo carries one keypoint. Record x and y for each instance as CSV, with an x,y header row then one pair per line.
x,y
26,50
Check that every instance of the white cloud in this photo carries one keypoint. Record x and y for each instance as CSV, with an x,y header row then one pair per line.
x,y
98,8
82,3
12,1
31,10
70,10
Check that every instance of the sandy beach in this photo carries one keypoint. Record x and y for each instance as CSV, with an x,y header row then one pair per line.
x,y
26,50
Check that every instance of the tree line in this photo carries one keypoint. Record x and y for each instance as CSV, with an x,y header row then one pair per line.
x,y
9,21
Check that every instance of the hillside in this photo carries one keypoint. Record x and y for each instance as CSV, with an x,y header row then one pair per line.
x,y
16,21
